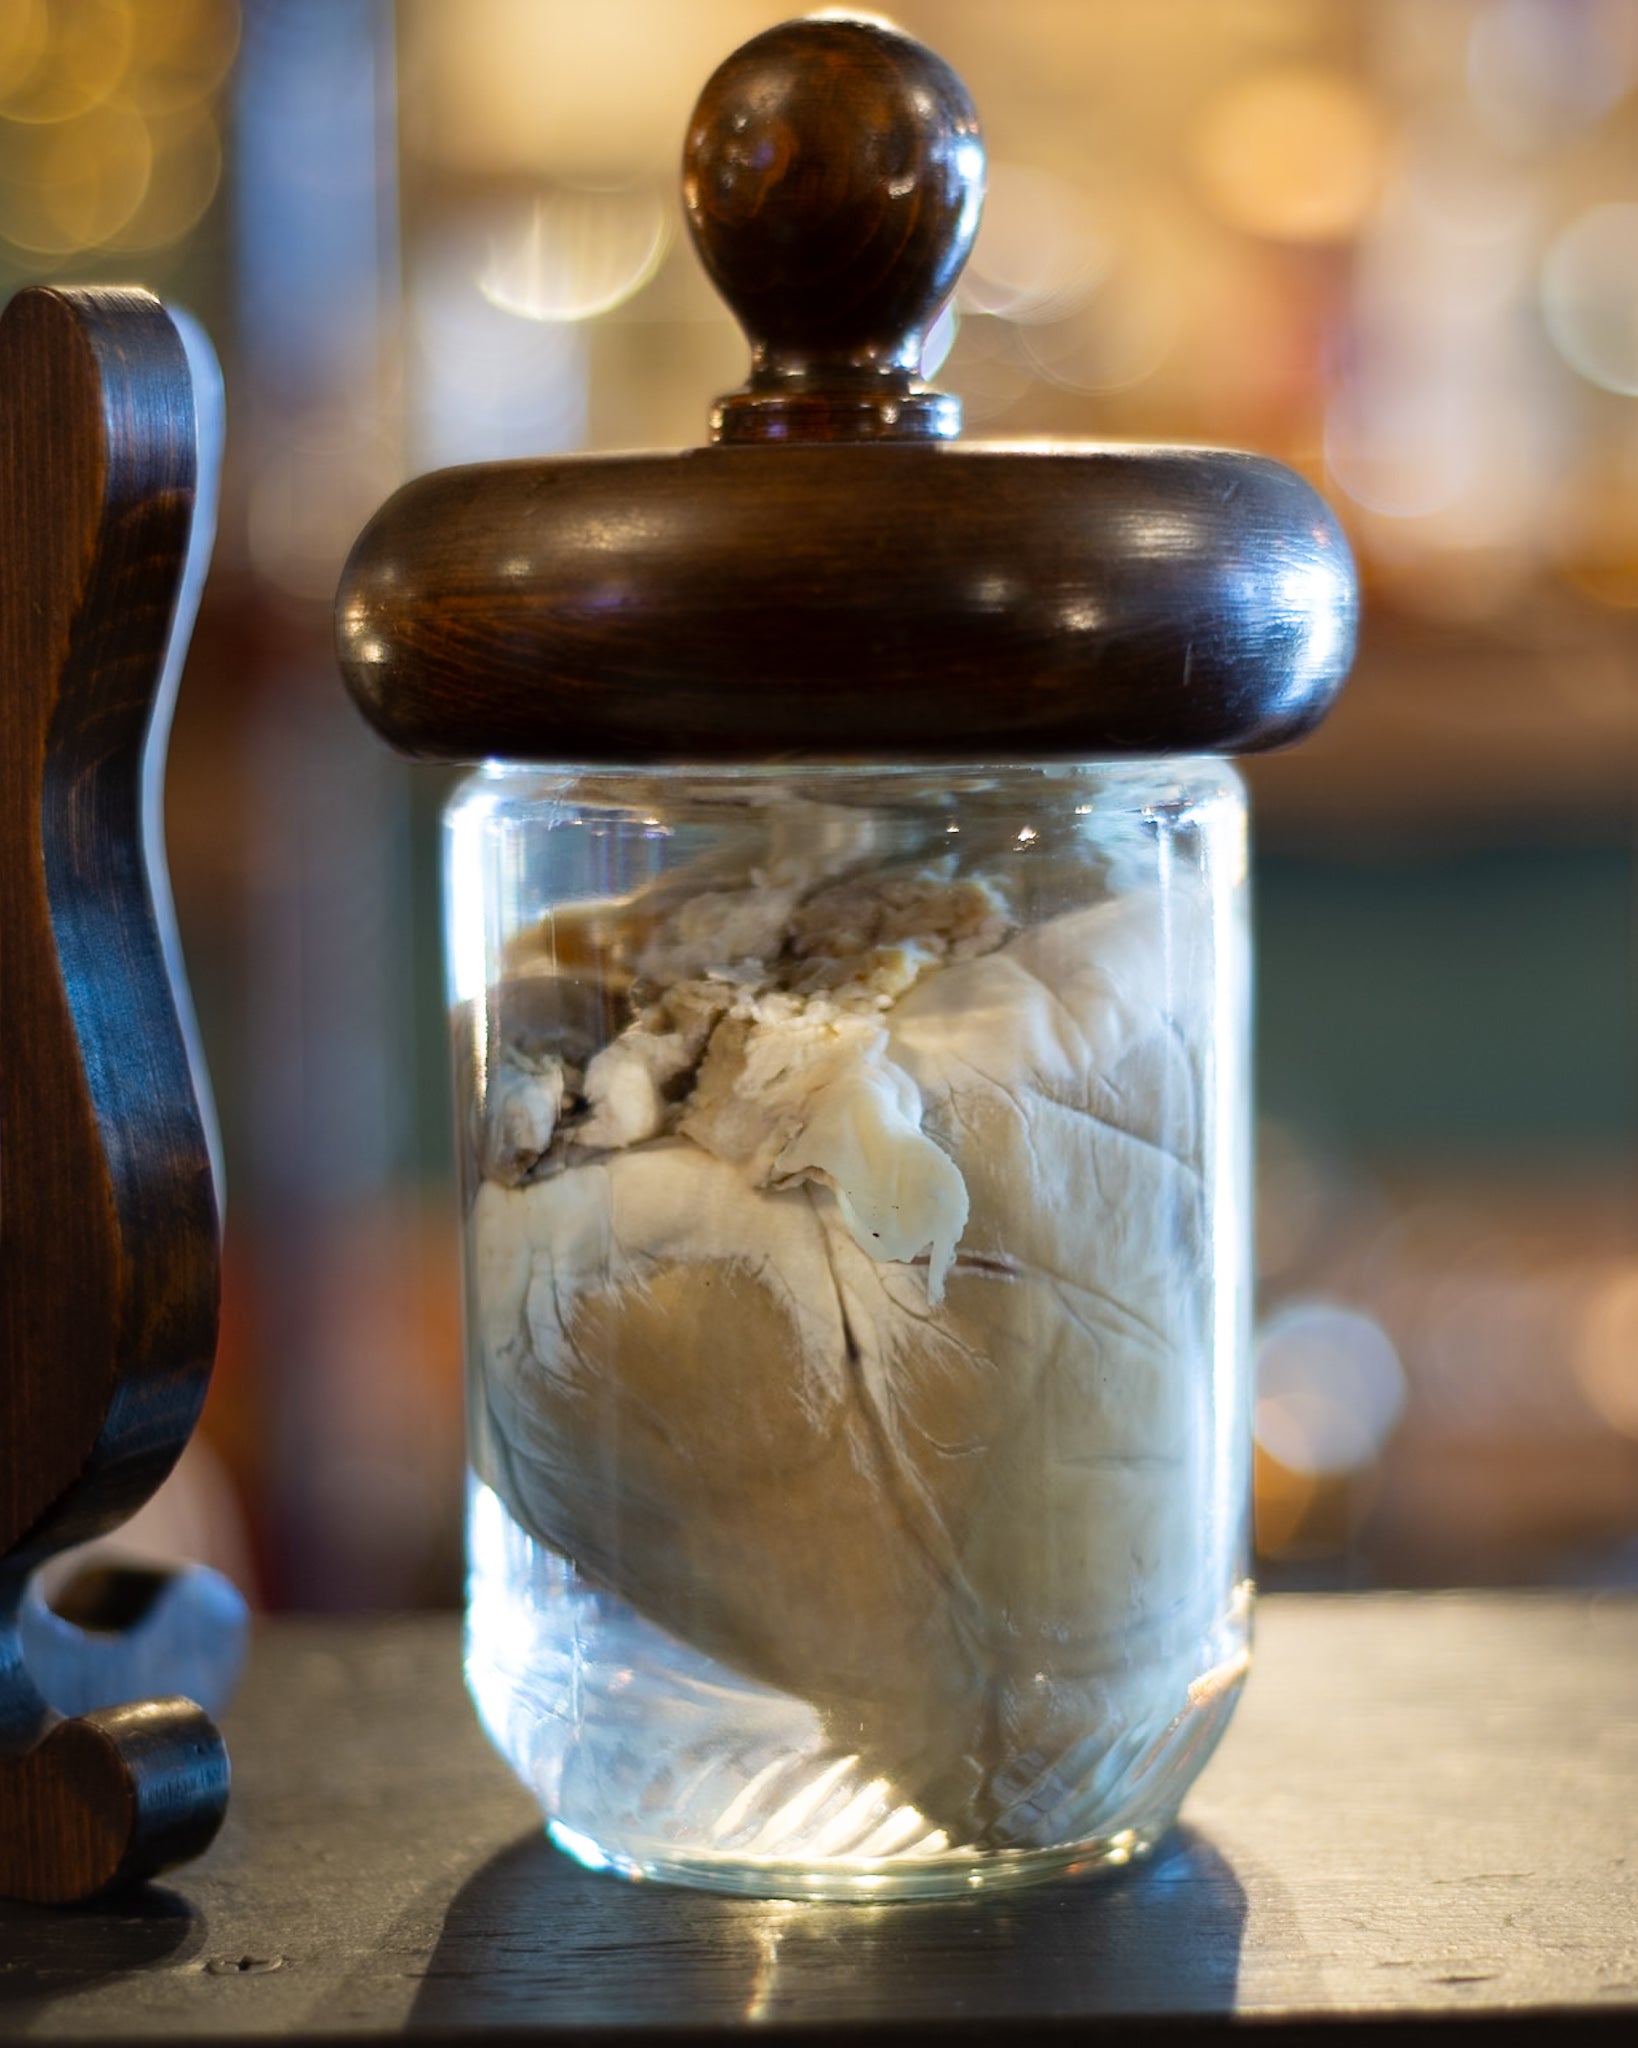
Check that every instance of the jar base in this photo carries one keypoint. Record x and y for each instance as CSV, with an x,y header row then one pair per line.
x,y
952,1876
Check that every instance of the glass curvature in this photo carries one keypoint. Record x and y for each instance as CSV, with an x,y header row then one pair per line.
x,y
856,1205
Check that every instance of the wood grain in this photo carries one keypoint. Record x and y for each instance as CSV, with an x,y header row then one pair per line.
x,y
918,603
108,1222
880,593
833,176
1422,1825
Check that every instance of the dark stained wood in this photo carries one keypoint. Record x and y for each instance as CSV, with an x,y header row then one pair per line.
x,y
917,603
1422,1825
886,595
833,176
108,1221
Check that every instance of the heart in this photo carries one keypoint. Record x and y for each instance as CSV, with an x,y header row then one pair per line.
x,y
985,1537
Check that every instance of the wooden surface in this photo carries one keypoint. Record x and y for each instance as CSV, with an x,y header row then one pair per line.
x,y
108,1222
1426,1812
833,175
933,602
881,594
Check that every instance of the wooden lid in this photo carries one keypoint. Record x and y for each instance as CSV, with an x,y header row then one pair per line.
x,y
837,578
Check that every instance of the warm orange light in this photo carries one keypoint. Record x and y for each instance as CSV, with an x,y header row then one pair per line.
x,y
187,167
1606,1362
73,184
556,86
1283,1501
181,53
78,65
24,32
108,137
1294,153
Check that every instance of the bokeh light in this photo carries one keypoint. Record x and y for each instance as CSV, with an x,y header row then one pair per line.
x,y
1606,1362
1538,69
183,177
181,53
1285,1503
24,32
575,252
1397,448
83,56
1596,528
1126,329
1041,250
1294,153
1462,189
72,184
109,132
587,93
1589,296
486,385
1330,1388
1111,345
986,367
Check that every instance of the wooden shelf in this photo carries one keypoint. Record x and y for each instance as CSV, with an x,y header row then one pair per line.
x,y
1424,1819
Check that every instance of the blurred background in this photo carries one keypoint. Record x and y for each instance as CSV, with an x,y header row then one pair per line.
x,y
1393,244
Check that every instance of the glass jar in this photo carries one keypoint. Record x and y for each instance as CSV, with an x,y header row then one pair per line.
x,y
856,1225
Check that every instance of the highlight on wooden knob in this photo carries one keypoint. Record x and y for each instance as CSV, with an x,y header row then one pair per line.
x,y
833,177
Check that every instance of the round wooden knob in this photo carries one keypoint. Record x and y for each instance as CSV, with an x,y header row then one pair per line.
x,y
831,603
833,176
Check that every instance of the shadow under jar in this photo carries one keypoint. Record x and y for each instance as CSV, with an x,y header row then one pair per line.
x,y
852,1066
